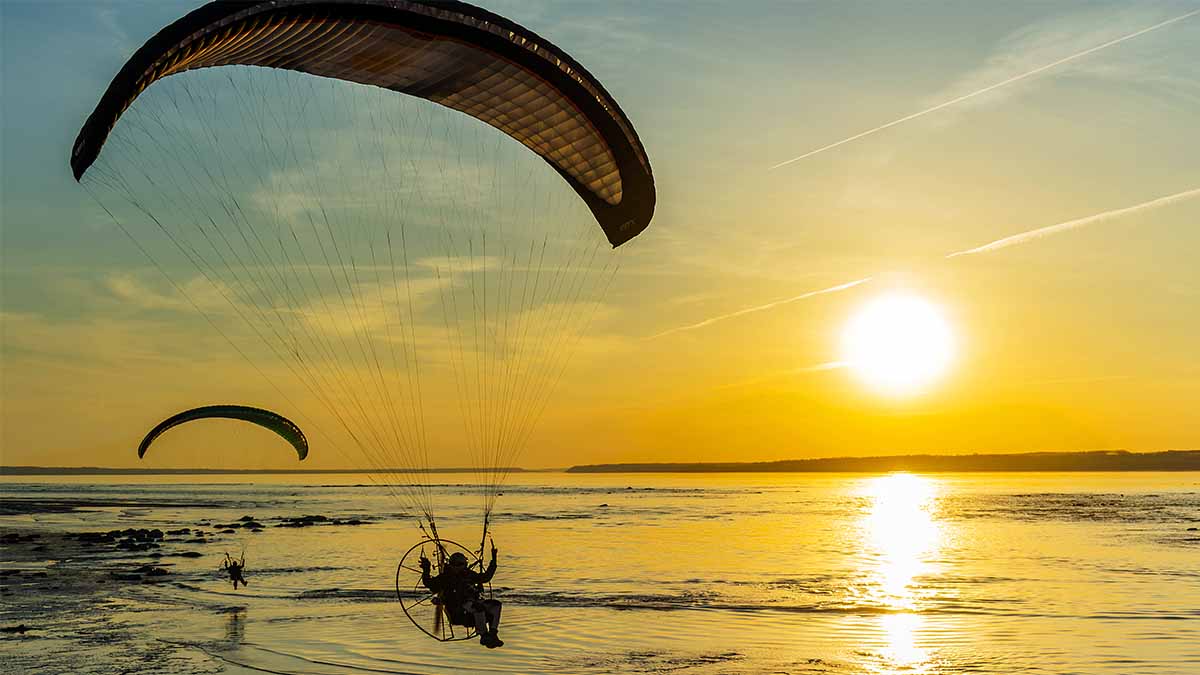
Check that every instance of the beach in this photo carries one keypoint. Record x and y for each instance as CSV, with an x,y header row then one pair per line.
x,y
648,573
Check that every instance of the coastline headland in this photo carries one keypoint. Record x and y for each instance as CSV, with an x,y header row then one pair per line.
x,y
1100,460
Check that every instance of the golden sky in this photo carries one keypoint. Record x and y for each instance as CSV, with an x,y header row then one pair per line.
x,y
715,341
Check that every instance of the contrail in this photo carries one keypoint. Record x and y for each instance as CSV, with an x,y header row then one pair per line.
x,y
988,88
1078,222
759,308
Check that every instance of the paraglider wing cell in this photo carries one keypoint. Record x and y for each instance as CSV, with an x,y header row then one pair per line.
x,y
450,53
263,418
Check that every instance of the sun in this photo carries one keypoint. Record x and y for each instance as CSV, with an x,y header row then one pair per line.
x,y
898,343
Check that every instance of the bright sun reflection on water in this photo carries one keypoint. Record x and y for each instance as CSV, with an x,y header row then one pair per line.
x,y
901,536
901,533
899,630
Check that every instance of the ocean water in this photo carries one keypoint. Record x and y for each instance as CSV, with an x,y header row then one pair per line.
x,y
642,573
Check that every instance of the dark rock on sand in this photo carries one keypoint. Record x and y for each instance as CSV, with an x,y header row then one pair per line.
x,y
298,521
96,537
15,629
151,571
129,539
308,521
135,545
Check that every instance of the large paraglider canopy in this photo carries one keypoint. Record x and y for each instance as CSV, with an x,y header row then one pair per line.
x,y
451,53
281,425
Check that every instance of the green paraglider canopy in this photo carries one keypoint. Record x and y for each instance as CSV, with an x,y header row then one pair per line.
x,y
263,418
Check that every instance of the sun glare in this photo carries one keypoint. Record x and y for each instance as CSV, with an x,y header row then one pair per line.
x,y
897,343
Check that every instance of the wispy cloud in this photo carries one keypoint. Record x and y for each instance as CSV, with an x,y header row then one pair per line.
x,y
1083,380
1041,232
828,365
135,293
1047,40
991,87
760,308
110,25
802,370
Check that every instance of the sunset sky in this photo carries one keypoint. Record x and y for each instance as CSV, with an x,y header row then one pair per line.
x,y
718,342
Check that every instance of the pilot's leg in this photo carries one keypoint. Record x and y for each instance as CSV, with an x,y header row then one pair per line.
x,y
492,609
481,624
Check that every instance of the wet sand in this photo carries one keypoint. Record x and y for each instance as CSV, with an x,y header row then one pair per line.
x,y
59,590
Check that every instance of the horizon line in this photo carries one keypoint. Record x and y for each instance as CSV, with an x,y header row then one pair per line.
x,y
32,470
